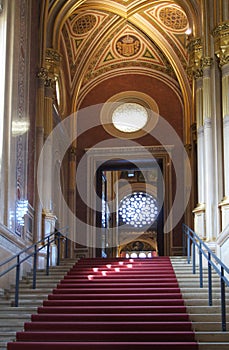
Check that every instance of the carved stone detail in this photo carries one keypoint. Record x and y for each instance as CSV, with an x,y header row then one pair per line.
x,y
195,58
221,36
52,66
43,73
206,62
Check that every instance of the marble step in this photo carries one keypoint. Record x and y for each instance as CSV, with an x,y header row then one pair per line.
x,y
212,336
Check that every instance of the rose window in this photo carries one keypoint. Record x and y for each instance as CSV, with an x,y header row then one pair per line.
x,y
138,209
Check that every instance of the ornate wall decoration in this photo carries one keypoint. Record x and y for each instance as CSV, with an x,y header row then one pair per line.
x,y
173,24
173,18
78,32
124,45
21,140
136,51
84,24
128,46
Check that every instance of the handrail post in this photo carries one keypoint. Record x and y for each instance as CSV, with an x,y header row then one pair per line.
x,y
209,280
35,267
58,248
223,301
66,248
193,257
201,266
47,262
17,281
184,240
188,252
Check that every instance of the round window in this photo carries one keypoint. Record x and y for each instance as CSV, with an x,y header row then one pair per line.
x,y
129,117
138,209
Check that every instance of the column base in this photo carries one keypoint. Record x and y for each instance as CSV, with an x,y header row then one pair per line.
x,y
224,207
48,225
48,222
223,238
199,220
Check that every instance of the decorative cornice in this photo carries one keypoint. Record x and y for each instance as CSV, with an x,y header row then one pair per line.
x,y
221,36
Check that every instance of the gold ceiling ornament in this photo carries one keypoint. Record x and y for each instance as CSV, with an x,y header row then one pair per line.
x,y
84,24
172,17
128,45
221,37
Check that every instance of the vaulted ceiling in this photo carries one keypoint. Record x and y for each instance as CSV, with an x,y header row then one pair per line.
x,y
101,39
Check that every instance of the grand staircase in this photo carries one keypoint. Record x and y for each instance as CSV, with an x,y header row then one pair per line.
x,y
206,320
117,304
12,318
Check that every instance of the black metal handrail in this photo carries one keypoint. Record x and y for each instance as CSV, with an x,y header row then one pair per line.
x,y
190,237
32,251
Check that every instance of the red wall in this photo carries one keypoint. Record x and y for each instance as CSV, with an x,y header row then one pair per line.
x,y
167,100
169,105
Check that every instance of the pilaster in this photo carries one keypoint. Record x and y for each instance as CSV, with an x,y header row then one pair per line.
x,y
196,71
41,77
52,66
221,41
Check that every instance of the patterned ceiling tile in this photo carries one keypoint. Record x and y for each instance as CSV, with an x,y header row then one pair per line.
x,y
94,44
78,31
128,45
173,24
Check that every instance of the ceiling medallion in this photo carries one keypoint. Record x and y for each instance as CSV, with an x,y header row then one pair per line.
x,y
128,45
84,24
173,18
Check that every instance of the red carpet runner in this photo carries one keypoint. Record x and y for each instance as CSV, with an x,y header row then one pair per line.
x,y
118,304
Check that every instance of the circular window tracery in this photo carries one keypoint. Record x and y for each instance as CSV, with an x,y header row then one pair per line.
x,y
145,106
129,117
138,209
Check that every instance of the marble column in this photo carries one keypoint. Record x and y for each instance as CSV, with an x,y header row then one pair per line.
x,y
208,152
224,205
199,211
195,69
49,218
72,195
221,37
42,75
52,63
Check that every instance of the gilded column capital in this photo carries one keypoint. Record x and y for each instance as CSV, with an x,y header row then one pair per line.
x,y
42,73
206,62
53,62
195,49
52,67
221,38
50,82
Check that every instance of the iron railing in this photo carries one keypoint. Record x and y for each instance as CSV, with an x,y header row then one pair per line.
x,y
32,252
193,244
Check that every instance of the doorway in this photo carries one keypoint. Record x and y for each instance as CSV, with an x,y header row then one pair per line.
x,y
130,216
113,161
